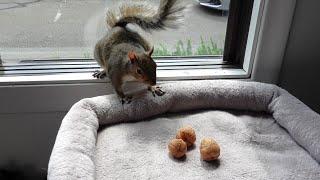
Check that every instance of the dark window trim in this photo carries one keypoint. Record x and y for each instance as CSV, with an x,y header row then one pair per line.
x,y
237,31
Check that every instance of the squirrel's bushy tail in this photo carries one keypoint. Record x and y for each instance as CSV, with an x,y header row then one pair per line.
x,y
168,15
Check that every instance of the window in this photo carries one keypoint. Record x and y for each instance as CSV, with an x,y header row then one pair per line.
x,y
20,92
57,37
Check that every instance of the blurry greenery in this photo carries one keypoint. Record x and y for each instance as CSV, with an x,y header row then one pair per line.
x,y
205,48
87,55
161,51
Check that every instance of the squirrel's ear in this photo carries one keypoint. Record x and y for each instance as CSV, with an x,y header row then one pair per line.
x,y
132,56
151,51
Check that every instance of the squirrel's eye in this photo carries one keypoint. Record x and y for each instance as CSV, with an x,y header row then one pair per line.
x,y
139,71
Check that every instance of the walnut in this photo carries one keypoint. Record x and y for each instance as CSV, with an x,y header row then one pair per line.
x,y
187,134
209,149
177,148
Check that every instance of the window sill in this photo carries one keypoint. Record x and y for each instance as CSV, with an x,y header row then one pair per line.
x,y
57,93
220,72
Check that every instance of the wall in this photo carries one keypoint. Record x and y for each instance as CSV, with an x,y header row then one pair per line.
x,y
29,125
28,138
272,42
300,73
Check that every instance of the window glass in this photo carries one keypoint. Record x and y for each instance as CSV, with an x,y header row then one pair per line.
x,y
69,29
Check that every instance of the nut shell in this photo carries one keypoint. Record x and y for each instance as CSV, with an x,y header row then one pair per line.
x,y
177,148
187,134
209,149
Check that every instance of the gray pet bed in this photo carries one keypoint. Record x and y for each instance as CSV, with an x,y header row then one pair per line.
x,y
263,131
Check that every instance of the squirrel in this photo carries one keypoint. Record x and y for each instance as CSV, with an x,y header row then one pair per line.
x,y
124,54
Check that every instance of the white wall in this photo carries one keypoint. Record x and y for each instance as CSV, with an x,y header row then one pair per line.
x,y
276,24
300,73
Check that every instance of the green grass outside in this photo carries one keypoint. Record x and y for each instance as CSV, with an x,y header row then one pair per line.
x,y
181,48
187,49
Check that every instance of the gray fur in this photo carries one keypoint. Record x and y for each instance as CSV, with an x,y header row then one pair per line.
x,y
169,14
111,52
114,37
116,63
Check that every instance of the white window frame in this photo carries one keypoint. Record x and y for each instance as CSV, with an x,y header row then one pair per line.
x,y
51,93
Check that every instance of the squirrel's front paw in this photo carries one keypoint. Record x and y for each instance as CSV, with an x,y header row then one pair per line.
x,y
156,90
99,74
126,100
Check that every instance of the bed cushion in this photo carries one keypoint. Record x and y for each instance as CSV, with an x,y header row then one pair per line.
x,y
253,146
263,131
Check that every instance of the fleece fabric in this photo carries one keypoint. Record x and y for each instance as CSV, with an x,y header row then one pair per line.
x,y
264,133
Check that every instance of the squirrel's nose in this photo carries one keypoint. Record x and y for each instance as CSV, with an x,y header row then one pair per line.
x,y
153,82
150,82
